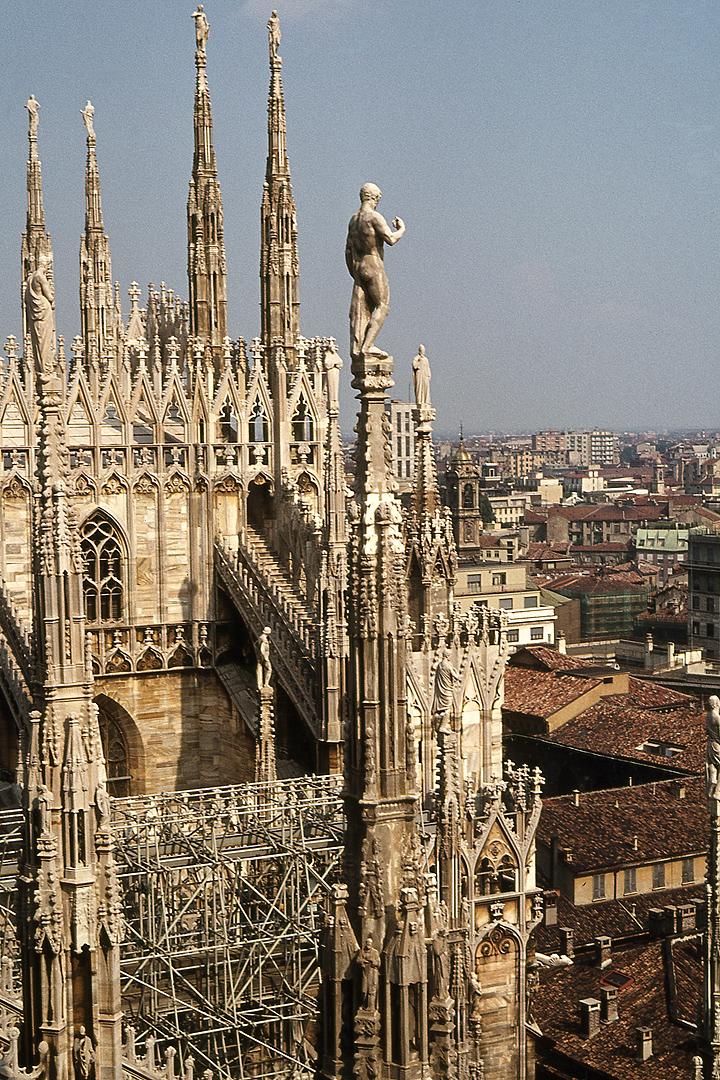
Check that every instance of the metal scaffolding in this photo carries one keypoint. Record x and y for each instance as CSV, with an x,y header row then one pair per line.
x,y
223,896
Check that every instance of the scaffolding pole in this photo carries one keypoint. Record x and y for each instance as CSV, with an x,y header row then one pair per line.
x,y
224,893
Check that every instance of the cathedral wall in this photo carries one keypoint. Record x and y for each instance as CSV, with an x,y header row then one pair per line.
x,y
146,548
191,735
16,547
498,974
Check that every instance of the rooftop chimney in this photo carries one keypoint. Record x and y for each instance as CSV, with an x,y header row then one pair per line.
x,y
644,1043
590,1017
561,647
576,797
608,1004
551,899
567,948
603,952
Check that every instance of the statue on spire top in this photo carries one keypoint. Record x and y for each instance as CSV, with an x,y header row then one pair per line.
x,y
87,114
274,34
32,107
202,28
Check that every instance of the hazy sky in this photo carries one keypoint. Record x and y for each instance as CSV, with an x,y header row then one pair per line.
x,y
556,162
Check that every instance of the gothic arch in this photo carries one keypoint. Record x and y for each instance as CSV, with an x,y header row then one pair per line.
x,y
123,748
105,575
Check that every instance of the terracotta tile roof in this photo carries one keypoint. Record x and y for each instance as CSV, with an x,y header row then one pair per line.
x,y
640,824
542,693
610,918
545,658
644,1003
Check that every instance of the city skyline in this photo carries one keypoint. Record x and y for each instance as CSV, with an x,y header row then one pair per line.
x,y
556,168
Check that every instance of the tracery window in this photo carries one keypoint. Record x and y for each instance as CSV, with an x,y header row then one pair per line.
x,y
117,758
258,425
302,423
102,580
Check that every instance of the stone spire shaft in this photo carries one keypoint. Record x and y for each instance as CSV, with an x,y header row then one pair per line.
x,y
207,270
100,323
35,238
279,267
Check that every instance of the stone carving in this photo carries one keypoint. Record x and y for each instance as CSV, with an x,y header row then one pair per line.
x,y
440,963
369,960
32,107
39,308
333,363
83,1055
274,34
446,679
202,28
102,806
264,667
87,114
367,232
421,378
712,759
44,810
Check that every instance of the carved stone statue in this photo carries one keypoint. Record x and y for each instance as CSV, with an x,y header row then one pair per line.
x,y
274,33
712,759
368,231
87,114
440,963
83,1055
333,363
264,668
421,378
32,107
369,960
44,810
446,678
102,805
202,28
39,308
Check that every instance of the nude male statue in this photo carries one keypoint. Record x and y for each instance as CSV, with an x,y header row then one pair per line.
x,y
87,114
202,28
274,33
368,231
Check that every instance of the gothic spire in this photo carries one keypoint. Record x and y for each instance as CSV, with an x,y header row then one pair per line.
x,y
35,239
279,269
100,329
206,248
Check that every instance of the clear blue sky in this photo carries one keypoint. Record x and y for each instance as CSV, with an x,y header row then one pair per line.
x,y
556,162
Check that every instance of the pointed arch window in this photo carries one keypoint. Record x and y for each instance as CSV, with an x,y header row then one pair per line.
x,y
103,575
258,424
302,423
228,424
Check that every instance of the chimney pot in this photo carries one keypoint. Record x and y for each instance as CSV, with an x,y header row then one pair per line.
x,y
576,797
603,952
644,1043
608,1004
589,1017
567,947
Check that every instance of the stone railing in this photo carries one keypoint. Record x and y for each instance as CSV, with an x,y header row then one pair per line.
x,y
18,637
144,1065
293,638
13,683
9,1036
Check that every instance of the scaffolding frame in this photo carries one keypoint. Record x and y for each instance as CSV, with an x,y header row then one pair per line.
x,y
223,902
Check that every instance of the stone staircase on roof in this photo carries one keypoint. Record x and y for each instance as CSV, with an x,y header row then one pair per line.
x,y
265,595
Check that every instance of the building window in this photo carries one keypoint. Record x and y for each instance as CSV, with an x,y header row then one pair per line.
x,y
598,886
499,579
630,885
513,635
710,604
531,601
658,875
536,633
696,602
688,871
710,630
399,421
696,628
102,578
505,602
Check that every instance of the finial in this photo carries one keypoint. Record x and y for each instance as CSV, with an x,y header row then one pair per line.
x,y
87,114
32,107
